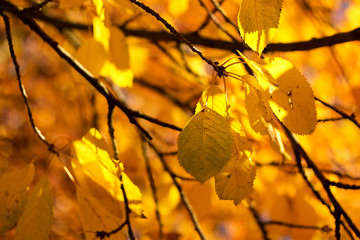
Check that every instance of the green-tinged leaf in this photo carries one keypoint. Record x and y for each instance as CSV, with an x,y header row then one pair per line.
x,y
235,180
98,175
205,144
213,98
14,193
94,216
35,222
258,21
292,100
258,109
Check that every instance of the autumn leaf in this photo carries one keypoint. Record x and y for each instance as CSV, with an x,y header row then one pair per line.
x,y
214,98
292,100
258,109
205,144
258,21
14,194
235,180
95,217
35,222
98,175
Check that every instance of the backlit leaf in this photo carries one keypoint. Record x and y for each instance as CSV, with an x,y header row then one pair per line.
x,y
205,144
98,175
213,98
258,109
95,217
91,55
235,180
258,21
14,193
35,222
293,100
118,65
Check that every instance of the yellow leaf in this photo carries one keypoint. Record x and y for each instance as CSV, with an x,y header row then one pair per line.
x,y
98,175
213,98
101,32
235,180
91,55
293,100
258,109
258,21
205,144
95,217
14,192
118,65
35,222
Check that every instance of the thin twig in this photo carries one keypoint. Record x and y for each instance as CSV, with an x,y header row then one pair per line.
x,y
216,22
259,222
153,188
183,196
221,10
330,119
300,152
208,18
51,147
344,115
98,85
116,157
196,39
344,185
175,33
325,228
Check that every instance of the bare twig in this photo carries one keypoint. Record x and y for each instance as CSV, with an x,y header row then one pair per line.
x,y
344,185
325,228
175,33
221,10
180,191
208,18
259,222
216,22
51,147
153,188
330,119
98,85
116,157
338,209
344,115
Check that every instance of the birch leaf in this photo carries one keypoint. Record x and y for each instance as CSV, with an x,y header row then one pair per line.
x,y
258,109
213,98
293,100
205,144
235,180
98,175
95,217
35,222
14,193
258,21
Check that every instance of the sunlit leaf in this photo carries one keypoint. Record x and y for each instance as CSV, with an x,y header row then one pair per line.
x,y
205,144
213,98
35,222
258,21
117,67
293,100
95,217
91,55
258,109
14,194
98,175
235,180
